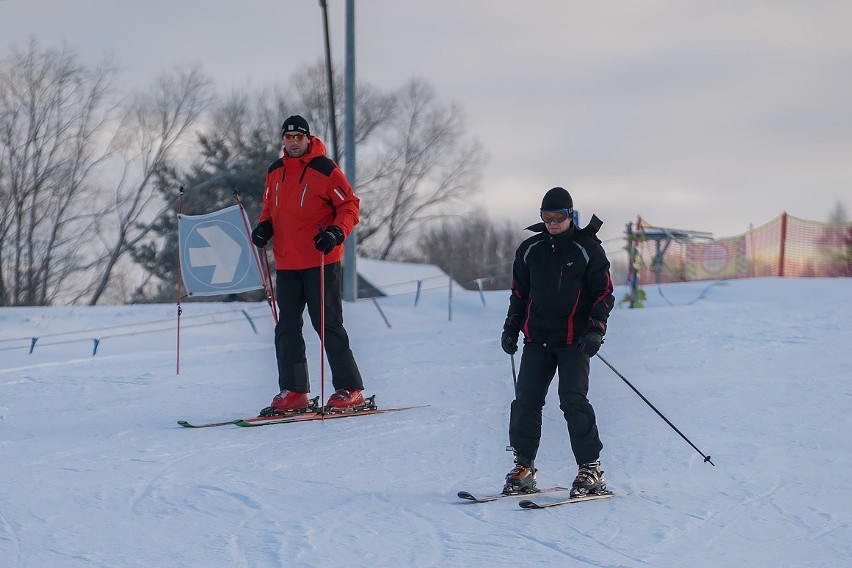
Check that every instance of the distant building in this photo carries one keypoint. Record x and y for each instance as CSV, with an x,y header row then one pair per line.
x,y
377,278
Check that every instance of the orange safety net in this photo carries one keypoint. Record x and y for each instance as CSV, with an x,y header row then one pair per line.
x,y
786,246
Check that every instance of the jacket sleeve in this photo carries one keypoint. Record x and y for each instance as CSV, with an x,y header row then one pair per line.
x,y
266,213
599,283
347,206
520,293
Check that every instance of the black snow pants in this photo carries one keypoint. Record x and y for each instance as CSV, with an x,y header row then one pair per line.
x,y
538,366
295,289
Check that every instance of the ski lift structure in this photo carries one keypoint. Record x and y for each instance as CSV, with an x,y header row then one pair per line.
x,y
662,237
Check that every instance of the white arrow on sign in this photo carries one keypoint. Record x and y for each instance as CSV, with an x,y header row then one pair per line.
x,y
223,253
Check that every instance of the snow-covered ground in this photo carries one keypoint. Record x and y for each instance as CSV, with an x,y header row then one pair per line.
x,y
96,472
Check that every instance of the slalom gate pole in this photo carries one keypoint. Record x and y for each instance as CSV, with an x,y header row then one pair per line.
x,y
179,281
270,289
322,330
654,408
267,282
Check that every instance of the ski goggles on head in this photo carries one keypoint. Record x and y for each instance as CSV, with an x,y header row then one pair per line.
x,y
555,215
296,137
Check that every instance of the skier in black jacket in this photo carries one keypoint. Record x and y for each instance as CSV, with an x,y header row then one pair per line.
x,y
561,299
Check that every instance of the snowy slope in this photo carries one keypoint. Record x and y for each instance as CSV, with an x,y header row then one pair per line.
x,y
96,472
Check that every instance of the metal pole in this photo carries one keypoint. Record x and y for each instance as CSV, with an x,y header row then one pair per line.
x,y
350,268
654,408
332,112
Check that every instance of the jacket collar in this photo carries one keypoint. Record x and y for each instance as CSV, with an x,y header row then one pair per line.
x,y
542,228
316,149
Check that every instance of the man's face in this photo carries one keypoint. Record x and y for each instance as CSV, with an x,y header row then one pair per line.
x,y
296,144
557,221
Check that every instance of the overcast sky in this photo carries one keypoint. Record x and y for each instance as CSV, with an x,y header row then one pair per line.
x,y
706,115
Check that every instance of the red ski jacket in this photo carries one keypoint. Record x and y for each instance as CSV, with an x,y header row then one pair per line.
x,y
302,197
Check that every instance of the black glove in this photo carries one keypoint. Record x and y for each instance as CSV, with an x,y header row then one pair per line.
x,y
326,240
509,341
262,233
592,339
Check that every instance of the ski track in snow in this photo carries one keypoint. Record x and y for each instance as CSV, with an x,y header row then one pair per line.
x,y
10,536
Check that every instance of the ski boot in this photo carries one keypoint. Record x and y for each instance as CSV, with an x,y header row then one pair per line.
x,y
521,479
589,480
345,401
288,402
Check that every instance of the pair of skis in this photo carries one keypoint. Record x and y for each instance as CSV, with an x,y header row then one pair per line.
x,y
308,415
530,504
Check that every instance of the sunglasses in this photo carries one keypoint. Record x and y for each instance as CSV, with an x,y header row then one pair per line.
x,y
296,137
555,215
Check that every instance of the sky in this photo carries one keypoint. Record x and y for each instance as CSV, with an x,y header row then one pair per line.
x,y
697,115
97,472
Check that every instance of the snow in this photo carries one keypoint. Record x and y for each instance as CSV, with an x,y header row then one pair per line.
x,y
96,472
394,278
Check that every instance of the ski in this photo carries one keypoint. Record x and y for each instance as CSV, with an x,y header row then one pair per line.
x,y
322,416
529,504
488,498
312,408
231,422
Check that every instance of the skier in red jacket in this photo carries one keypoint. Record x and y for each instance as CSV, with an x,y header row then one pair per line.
x,y
309,208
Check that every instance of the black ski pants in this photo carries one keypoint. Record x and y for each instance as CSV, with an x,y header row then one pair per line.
x,y
296,289
538,366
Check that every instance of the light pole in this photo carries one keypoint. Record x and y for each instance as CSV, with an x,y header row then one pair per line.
x,y
350,257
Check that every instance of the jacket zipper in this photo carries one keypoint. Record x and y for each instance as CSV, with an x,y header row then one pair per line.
x,y
302,201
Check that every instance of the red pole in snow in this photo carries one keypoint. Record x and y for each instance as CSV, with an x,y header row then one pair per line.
x,y
322,329
179,281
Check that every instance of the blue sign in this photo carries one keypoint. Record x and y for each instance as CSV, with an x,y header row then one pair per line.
x,y
216,255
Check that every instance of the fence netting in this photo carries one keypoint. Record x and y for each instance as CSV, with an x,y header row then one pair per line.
x,y
786,246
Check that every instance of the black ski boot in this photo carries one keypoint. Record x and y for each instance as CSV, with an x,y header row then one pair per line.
x,y
521,479
589,480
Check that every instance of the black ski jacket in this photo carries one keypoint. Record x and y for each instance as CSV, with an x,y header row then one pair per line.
x,y
561,286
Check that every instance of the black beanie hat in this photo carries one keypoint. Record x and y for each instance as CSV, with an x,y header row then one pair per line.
x,y
557,198
295,124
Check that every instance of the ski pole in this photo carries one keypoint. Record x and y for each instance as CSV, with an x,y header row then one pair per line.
x,y
654,408
509,448
270,289
322,328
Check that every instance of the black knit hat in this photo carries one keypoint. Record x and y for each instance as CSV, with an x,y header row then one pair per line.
x,y
557,198
295,124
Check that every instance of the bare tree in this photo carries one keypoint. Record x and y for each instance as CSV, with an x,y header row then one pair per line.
x,y
234,149
836,242
373,109
425,162
471,250
153,127
53,112
838,214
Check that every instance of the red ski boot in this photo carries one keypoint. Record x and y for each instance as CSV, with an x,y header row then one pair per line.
x,y
289,401
343,400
